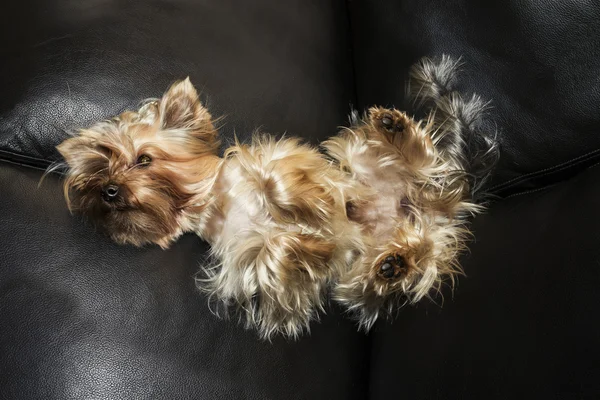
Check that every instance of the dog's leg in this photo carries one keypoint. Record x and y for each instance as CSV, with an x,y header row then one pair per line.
x,y
385,276
409,137
276,278
393,156
405,267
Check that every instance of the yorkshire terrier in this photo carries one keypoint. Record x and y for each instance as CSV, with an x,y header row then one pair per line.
x,y
379,217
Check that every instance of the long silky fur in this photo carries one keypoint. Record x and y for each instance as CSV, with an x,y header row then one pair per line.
x,y
440,181
276,212
275,261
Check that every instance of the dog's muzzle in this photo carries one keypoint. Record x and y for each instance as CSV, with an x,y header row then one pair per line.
x,y
110,192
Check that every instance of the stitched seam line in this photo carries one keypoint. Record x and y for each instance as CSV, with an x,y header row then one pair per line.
x,y
20,164
22,157
545,171
549,171
25,160
545,187
528,192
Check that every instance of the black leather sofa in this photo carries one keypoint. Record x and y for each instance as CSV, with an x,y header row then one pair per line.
x,y
83,318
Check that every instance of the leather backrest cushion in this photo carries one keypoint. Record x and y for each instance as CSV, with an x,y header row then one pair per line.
x,y
281,66
537,61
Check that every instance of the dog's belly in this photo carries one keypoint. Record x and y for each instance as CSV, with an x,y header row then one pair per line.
x,y
380,215
237,221
241,210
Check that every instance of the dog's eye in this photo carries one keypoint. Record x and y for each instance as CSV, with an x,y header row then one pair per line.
x,y
144,160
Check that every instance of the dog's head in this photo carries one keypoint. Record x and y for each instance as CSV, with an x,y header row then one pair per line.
x,y
140,174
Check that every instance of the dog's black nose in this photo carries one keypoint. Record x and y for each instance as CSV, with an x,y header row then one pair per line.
x,y
110,192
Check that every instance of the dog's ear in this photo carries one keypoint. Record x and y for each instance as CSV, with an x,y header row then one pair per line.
x,y
75,149
180,108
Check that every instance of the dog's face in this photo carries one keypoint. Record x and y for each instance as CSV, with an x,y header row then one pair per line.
x,y
140,174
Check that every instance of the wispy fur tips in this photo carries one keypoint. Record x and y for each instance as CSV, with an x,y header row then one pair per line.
x,y
432,78
460,121
281,238
376,219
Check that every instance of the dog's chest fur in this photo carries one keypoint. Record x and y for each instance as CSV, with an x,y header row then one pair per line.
x,y
381,213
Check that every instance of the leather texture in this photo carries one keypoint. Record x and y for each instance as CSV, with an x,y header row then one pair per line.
x,y
280,66
536,61
523,323
83,318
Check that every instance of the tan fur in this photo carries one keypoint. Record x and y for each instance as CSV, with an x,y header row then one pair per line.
x,y
412,214
279,234
284,221
154,200
273,211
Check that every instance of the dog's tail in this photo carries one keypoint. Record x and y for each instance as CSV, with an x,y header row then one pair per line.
x,y
460,129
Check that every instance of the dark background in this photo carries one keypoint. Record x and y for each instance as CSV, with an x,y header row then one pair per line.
x,y
81,317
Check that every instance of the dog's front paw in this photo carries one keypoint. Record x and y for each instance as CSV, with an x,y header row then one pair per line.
x,y
403,133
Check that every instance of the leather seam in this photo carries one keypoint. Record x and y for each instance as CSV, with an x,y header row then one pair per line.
x,y
546,171
24,160
28,161
544,187
24,156
20,164
541,189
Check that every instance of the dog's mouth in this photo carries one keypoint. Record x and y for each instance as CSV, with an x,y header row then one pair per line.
x,y
129,224
93,206
121,219
118,207
126,217
104,208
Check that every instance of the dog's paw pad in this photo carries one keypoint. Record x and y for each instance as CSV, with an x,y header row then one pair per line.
x,y
391,121
392,267
387,121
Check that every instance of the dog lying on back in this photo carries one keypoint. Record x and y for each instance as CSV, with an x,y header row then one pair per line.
x,y
378,217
